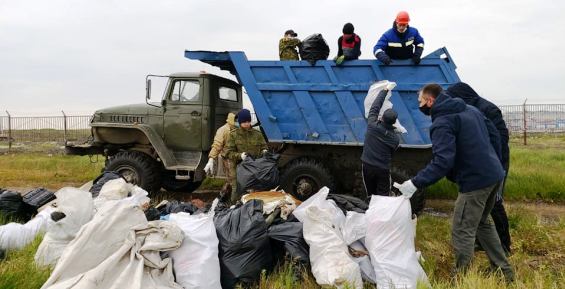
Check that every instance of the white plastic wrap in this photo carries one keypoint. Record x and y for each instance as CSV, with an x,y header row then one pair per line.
x,y
390,241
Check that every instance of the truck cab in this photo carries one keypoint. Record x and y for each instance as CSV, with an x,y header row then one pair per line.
x,y
164,144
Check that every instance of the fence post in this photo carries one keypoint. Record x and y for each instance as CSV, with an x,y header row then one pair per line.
x,y
9,131
525,122
64,126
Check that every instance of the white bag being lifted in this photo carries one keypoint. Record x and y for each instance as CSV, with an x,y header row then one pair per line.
x,y
390,241
196,262
372,95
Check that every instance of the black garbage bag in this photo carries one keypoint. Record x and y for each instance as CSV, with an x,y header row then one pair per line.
x,y
287,238
175,206
39,197
260,174
13,207
102,179
245,249
349,203
314,48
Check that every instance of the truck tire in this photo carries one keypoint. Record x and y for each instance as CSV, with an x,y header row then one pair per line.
x,y
304,177
173,185
137,168
418,200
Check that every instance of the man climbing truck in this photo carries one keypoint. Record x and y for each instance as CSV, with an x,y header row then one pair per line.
x,y
312,115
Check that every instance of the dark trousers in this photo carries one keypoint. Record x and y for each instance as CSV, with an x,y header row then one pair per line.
x,y
500,219
376,180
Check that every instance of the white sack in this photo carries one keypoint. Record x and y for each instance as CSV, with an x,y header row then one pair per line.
x,y
196,262
118,249
367,270
390,241
15,236
372,95
355,227
113,190
329,255
78,209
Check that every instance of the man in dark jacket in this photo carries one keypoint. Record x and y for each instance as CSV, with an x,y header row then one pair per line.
x,y
381,141
463,152
493,113
348,45
400,42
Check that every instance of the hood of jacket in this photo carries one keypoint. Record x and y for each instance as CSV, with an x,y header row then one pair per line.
x,y
445,104
464,91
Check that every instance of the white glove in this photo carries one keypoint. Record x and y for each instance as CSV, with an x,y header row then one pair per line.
x,y
390,86
243,156
209,168
407,188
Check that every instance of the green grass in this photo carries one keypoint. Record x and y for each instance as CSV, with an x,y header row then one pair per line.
x,y
537,171
18,271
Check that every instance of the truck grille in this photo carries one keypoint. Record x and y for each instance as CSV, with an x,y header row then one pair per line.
x,y
126,119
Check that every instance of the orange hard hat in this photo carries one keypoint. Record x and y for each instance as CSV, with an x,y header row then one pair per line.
x,y
402,17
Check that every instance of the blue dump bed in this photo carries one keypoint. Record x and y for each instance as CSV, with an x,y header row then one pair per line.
x,y
323,104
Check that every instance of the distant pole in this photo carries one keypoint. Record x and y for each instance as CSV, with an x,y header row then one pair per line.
x,y
9,131
65,126
525,122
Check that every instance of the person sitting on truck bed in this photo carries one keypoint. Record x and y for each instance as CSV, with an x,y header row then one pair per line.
x,y
219,146
348,45
381,141
244,142
400,42
288,46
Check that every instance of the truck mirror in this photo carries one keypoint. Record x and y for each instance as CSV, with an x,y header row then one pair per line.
x,y
148,89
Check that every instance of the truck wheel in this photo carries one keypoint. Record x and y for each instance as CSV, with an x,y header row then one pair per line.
x,y
304,177
137,168
418,200
173,185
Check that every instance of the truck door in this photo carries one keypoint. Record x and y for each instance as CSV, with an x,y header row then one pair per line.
x,y
183,116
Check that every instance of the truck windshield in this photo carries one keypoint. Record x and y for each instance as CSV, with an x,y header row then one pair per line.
x,y
186,91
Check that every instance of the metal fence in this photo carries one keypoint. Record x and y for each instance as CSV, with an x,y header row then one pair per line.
x,y
63,128
525,118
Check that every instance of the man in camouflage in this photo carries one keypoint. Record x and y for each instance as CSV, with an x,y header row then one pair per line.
x,y
244,142
219,147
288,46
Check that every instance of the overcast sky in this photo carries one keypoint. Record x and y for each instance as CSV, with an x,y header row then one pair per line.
x,y
82,55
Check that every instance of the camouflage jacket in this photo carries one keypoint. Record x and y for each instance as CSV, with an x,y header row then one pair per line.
x,y
241,140
288,48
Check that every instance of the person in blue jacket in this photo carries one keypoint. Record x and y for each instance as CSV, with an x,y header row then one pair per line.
x,y
463,151
492,112
400,42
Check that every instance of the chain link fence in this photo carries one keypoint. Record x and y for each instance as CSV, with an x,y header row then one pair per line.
x,y
535,118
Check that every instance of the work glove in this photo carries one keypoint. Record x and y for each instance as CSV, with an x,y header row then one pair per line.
x,y
209,168
416,59
339,60
407,188
390,86
384,58
243,156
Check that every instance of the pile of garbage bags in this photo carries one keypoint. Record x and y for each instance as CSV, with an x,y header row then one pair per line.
x,y
111,237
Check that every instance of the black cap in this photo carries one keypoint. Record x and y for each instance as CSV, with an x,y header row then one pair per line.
x,y
348,28
389,117
291,33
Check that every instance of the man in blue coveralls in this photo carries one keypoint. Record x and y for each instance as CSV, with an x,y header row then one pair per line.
x,y
400,42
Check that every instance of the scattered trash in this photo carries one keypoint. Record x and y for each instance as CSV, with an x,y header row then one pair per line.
x,y
259,174
244,245
77,207
196,262
390,241
38,198
272,200
16,236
